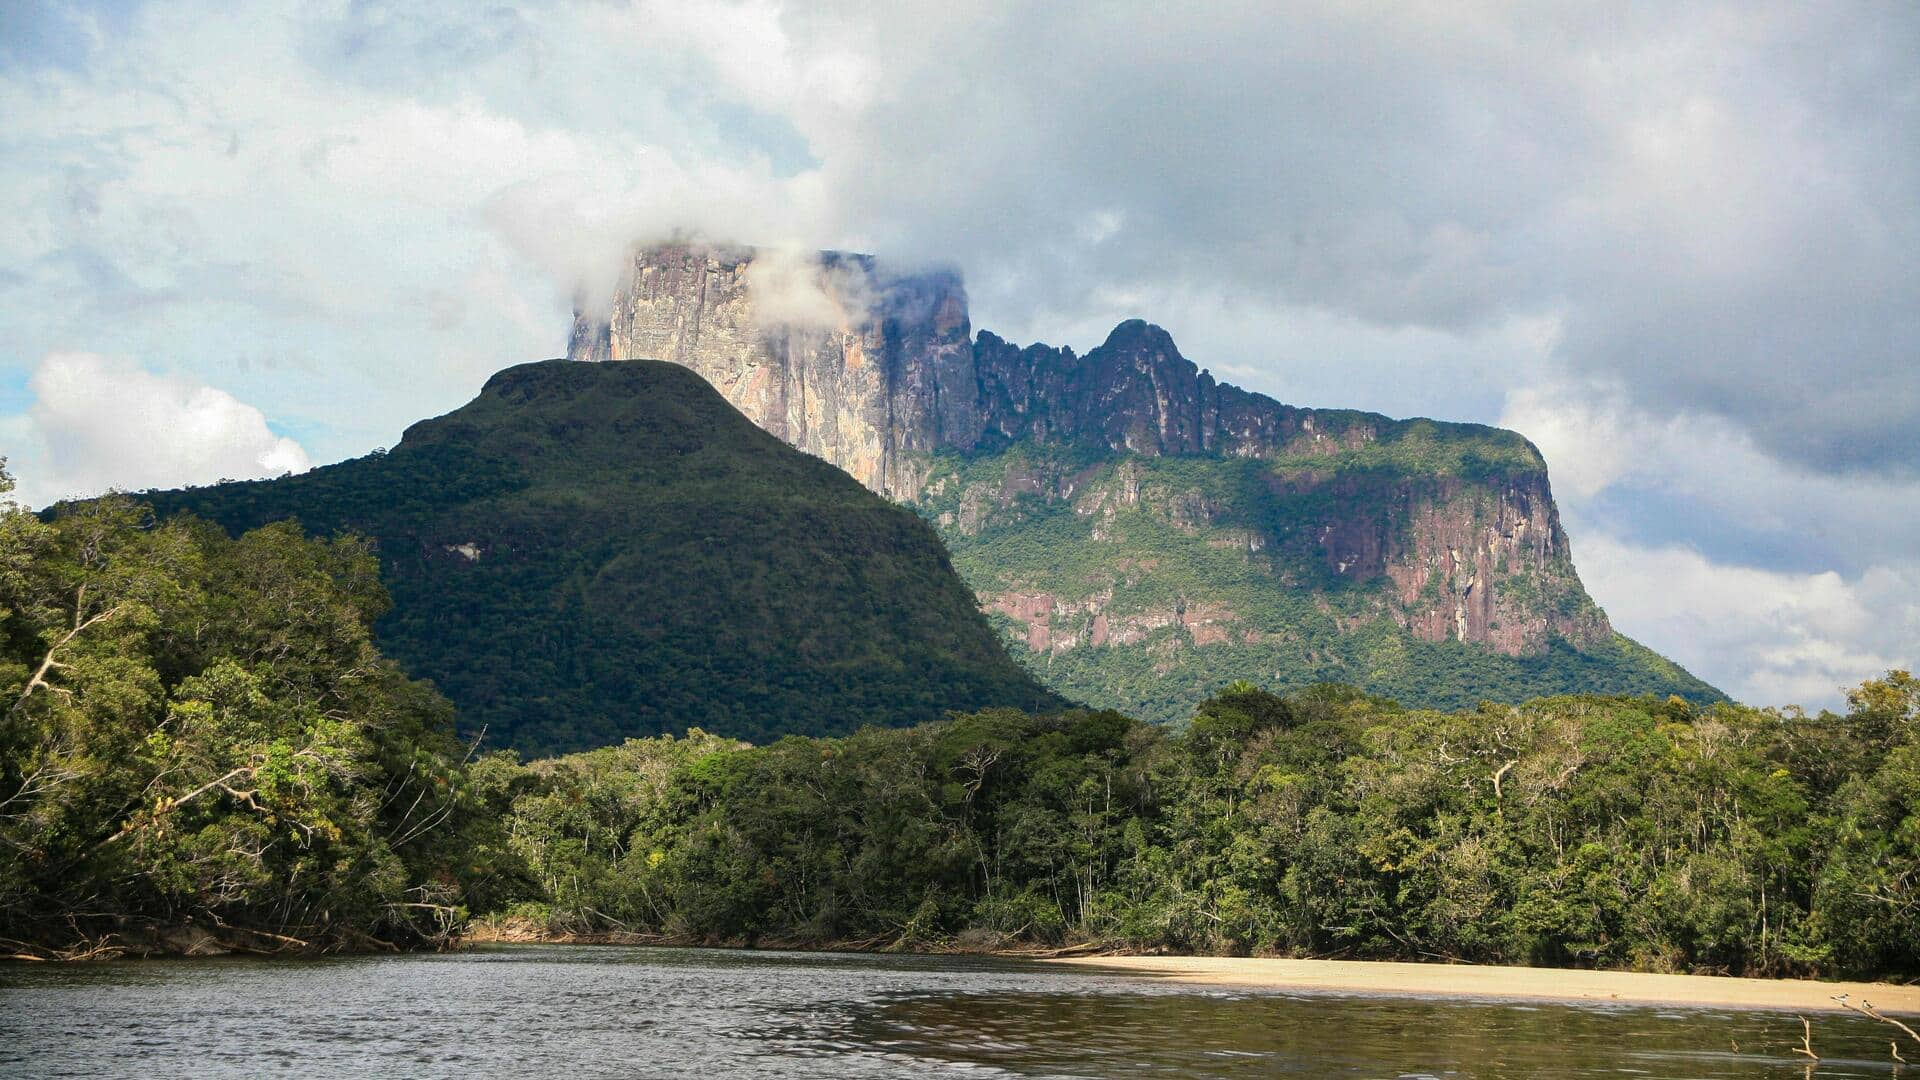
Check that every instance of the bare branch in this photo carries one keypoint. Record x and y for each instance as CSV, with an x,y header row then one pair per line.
x,y
170,805
1866,1009
1498,774
1806,1041
48,664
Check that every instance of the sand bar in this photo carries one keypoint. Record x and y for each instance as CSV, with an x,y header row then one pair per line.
x,y
1545,984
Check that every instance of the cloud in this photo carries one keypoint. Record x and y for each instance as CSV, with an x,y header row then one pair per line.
x,y
330,216
98,424
1699,478
1775,582
39,34
1765,637
1676,248
579,226
1718,209
793,288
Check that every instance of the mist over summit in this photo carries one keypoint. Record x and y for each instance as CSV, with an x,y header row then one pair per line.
x,y
1141,531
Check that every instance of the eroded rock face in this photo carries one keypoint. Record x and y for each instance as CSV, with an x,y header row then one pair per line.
x,y
1051,624
1492,566
882,367
848,363
875,371
1135,392
1483,562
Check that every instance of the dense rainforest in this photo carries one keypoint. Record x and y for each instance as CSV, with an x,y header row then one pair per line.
x,y
588,552
203,746
1583,831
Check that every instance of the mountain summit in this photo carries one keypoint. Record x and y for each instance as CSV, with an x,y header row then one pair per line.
x,y
1140,531
590,552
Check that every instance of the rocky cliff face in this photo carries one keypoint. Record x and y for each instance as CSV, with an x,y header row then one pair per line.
x,y
1445,558
881,367
1137,393
865,369
1124,504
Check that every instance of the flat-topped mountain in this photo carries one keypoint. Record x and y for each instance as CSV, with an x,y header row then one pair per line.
x,y
589,552
1140,531
866,369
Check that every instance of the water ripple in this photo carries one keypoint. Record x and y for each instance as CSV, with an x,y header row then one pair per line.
x,y
591,1012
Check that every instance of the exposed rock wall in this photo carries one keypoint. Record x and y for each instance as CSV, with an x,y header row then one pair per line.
x,y
874,371
1136,392
892,370
1483,562
1493,566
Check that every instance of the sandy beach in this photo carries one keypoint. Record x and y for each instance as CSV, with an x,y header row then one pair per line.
x,y
1548,984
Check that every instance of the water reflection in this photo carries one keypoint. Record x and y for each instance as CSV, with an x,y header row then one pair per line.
x,y
588,1012
1296,1035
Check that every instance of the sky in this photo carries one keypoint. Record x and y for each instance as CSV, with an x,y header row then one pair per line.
x,y
1676,246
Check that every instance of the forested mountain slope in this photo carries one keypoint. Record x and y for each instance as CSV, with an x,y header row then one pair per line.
x,y
589,552
1141,533
202,749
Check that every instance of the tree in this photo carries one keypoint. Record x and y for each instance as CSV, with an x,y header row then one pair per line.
x,y
199,732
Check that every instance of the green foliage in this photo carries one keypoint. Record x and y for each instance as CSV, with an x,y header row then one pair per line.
x,y
590,552
1427,448
1631,832
1244,540
199,732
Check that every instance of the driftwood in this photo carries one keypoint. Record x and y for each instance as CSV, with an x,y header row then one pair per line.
x,y
1806,1041
84,949
1089,949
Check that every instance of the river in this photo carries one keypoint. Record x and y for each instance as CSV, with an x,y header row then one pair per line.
x,y
593,1011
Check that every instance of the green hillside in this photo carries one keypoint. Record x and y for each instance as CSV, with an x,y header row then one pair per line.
x,y
1163,578
589,552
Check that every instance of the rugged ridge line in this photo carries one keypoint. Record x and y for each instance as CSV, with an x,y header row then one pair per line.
x,y
896,371
589,552
1057,481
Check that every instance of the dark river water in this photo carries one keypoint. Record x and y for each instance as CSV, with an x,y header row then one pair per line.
x,y
607,1011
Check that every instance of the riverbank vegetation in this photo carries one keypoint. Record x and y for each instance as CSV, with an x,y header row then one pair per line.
x,y
201,748
1583,831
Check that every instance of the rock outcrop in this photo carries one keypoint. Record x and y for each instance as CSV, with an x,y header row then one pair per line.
x,y
870,369
862,368
1135,392
1057,478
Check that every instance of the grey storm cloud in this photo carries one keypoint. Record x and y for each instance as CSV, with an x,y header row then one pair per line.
x,y
1720,204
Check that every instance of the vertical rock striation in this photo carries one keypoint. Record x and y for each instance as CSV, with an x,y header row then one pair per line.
x,y
884,368
859,367
1446,531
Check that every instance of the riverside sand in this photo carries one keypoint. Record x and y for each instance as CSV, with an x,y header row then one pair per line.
x,y
1547,984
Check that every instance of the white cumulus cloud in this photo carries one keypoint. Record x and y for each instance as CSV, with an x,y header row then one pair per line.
x,y
1776,583
1767,637
98,423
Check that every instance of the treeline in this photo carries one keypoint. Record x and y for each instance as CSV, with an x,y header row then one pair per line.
x,y
200,747
1588,831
